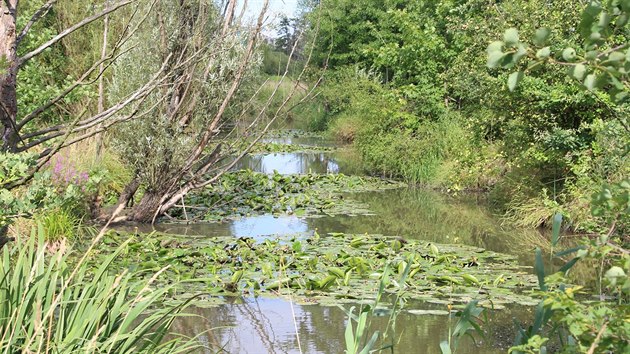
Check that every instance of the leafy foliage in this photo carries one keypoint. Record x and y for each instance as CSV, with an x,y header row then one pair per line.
x,y
582,325
410,87
600,61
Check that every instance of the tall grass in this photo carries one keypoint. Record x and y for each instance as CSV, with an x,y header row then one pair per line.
x,y
47,304
60,224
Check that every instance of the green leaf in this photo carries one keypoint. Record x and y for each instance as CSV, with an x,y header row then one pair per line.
x,y
622,20
543,53
521,52
445,348
589,81
569,251
370,344
569,265
514,79
496,46
578,71
616,56
614,274
555,231
604,19
595,36
591,55
539,268
541,36
494,58
510,37
589,16
569,54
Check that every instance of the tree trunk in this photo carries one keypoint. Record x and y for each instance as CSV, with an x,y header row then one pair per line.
x,y
145,210
8,76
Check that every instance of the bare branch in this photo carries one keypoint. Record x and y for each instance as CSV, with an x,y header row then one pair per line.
x,y
139,95
228,17
39,110
210,130
169,200
41,12
23,59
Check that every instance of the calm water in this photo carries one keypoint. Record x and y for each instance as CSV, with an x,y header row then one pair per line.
x,y
263,325
290,163
275,326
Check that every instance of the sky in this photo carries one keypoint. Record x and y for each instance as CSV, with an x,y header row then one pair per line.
x,y
276,9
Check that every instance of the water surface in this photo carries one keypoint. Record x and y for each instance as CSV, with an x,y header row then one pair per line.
x,y
264,325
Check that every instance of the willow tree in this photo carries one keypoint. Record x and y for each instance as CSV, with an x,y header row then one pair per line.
x,y
183,143
174,69
23,130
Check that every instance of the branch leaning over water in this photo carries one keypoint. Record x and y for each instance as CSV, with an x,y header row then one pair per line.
x,y
197,179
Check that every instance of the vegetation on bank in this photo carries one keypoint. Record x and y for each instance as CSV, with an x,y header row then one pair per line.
x,y
407,84
412,85
54,303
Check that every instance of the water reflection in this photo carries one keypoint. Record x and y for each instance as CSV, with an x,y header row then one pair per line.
x,y
278,326
426,215
268,225
301,140
290,163
259,227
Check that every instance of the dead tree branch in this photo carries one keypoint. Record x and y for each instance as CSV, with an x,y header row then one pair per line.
x,y
26,57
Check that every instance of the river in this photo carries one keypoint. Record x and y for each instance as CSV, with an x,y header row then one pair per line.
x,y
266,325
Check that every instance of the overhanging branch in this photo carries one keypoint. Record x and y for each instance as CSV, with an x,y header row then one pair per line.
x,y
23,59
41,12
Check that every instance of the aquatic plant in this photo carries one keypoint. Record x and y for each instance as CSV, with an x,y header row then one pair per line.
x,y
354,337
467,323
274,147
579,324
246,193
330,269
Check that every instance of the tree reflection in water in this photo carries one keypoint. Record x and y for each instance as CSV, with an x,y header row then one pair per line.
x,y
267,326
290,163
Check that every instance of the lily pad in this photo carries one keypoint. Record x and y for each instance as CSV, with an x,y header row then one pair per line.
x,y
330,269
